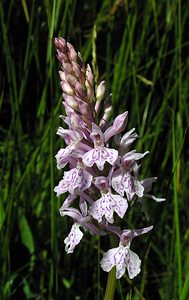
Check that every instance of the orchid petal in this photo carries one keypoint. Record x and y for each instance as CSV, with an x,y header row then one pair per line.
x,y
138,187
61,188
121,257
107,205
154,198
133,264
108,261
128,234
117,182
67,202
62,156
119,125
133,155
75,178
124,182
99,155
73,238
97,135
147,183
128,138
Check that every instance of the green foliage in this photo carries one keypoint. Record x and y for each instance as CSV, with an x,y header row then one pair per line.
x,y
142,53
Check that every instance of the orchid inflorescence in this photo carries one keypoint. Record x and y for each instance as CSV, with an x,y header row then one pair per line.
x,y
101,181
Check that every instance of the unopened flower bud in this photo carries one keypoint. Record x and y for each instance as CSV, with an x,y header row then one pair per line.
x,y
89,75
76,70
76,121
60,44
107,113
72,52
70,101
89,88
84,109
62,76
79,89
71,80
67,68
67,88
80,61
100,91
62,57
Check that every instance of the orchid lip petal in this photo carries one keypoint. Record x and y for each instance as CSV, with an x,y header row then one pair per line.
x,y
124,182
107,205
99,155
73,179
121,257
73,239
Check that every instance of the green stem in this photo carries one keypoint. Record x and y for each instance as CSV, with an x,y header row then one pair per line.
x,y
111,281
110,286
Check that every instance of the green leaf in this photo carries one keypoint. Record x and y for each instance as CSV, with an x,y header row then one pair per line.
x,y
25,232
67,283
2,214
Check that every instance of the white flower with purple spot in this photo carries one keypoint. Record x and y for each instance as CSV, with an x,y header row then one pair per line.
x,y
62,156
76,178
124,182
100,154
107,205
123,257
73,238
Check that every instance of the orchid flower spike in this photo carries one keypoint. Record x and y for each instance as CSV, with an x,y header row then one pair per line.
x,y
101,179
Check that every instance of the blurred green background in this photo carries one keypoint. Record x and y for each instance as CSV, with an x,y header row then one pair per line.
x,y
142,50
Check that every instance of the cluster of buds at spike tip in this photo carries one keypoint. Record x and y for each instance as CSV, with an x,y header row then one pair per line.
x,y
102,176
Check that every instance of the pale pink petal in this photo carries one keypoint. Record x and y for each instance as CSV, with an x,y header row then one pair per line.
x,y
62,156
96,210
91,157
117,182
119,125
154,198
128,138
84,179
61,188
121,205
67,203
99,155
115,257
128,186
121,259
101,183
124,182
107,205
73,179
133,155
147,183
73,238
97,135
128,234
108,262
133,264
109,155
138,187
106,155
